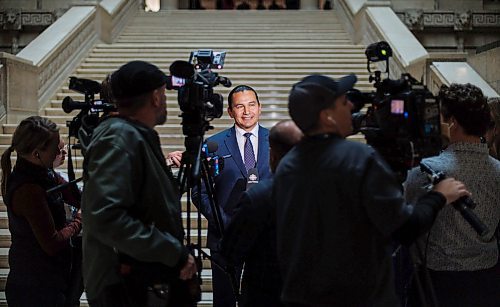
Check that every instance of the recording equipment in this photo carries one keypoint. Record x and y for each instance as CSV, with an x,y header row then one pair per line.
x,y
402,121
83,124
211,147
464,205
64,186
195,81
215,163
253,177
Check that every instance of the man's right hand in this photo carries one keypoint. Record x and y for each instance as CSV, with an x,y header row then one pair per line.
x,y
451,189
189,269
174,158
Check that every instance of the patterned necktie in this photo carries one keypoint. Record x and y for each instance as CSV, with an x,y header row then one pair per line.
x,y
248,154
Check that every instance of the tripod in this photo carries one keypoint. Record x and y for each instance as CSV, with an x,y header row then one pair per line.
x,y
194,173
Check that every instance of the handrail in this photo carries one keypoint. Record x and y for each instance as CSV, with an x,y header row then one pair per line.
x,y
371,21
39,70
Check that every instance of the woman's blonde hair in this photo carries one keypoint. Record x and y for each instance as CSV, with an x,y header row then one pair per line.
x,y
32,133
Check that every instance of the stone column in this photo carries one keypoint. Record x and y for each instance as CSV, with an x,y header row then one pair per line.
x,y
309,5
169,5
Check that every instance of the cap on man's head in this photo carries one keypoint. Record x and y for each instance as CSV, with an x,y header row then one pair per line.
x,y
136,78
313,94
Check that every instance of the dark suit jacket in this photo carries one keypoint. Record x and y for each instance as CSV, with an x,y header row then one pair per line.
x,y
232,180
251,238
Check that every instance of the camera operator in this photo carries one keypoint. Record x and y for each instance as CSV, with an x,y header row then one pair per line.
x,y
251,235
248,147
339,205
131,204
463,265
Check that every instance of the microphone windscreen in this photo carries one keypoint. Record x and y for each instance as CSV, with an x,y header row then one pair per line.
x,y
212,146
182,69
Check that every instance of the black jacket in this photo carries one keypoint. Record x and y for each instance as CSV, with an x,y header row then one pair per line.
x,y
250,238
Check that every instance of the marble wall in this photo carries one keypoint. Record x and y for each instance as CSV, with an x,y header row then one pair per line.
x,y
487,64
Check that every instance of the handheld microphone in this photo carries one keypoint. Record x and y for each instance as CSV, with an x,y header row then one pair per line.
x,y
253,177
464,204
63,186
210,147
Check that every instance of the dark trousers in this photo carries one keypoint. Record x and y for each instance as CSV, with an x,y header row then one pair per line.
x,y
134,295
76,286
223,294
29,296
467,289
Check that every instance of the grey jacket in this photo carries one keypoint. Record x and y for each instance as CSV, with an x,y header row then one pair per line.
x,y
130,203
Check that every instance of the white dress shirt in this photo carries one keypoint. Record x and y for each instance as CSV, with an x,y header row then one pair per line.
x,y
241,139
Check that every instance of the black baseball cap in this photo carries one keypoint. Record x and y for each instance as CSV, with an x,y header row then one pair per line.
x,y
313,94
136,78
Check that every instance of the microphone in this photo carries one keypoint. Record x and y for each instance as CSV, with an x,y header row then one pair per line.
x,y
182,69
63,186
464,204
210,147
253,177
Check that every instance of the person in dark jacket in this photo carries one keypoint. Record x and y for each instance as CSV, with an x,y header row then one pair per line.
x,y
339,205
133,238
40,253
250,238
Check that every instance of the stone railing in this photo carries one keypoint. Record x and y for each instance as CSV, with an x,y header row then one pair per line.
x,y
34,75
457,72
371,21
113,15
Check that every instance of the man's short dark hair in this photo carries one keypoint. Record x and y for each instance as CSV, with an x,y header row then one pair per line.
x,y
240,88
467,104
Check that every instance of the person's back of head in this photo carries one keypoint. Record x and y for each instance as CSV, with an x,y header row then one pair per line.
x,y
493,135
282,138
313,96
32,135
135,85
465,104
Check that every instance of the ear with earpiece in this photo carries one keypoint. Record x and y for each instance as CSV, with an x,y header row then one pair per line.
x,y
37,154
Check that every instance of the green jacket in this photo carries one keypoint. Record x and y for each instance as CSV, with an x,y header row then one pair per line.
x,y
130,203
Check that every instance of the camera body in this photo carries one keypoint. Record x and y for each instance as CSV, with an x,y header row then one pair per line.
x,y
402,120
195,82
82,126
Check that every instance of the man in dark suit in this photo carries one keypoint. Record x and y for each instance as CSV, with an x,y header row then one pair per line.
x,y
251,235
247,147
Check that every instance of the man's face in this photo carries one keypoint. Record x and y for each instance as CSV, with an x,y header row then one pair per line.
x,y
161,116
245,110
341,115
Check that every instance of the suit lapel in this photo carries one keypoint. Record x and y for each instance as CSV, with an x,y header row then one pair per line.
x,y
232,147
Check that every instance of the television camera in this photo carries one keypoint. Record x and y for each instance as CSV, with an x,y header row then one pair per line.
x,y
83,124
402,121
195,82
